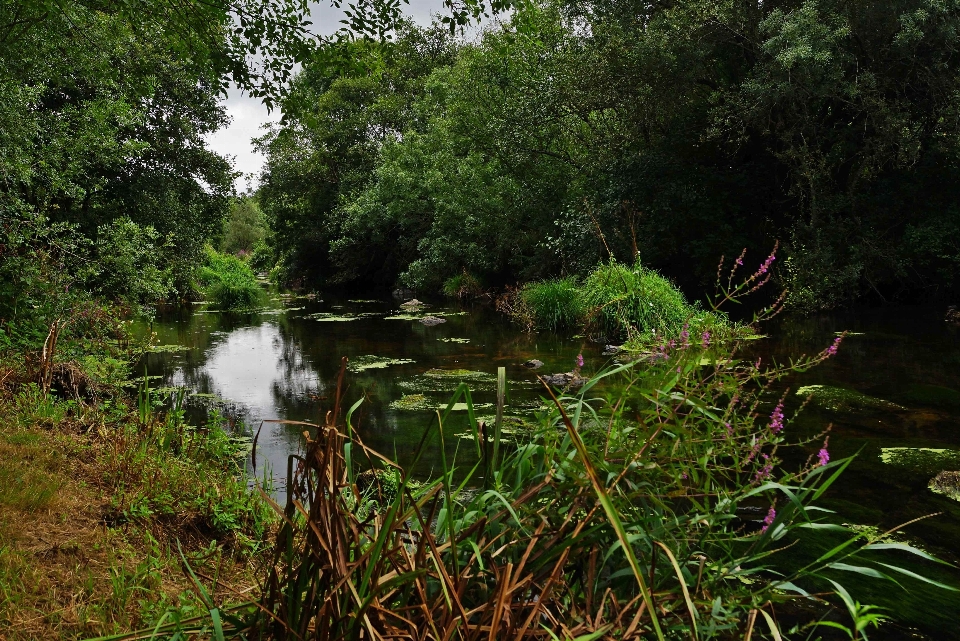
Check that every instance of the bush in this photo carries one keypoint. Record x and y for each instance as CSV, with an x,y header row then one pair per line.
x,y
228,281
463,285
623,301
551,304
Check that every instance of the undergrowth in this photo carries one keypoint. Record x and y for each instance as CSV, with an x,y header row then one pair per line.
x,y
228,282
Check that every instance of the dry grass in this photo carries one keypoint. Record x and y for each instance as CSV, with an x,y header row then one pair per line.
x,y
68,570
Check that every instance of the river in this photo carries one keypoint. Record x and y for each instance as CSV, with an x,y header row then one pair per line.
x,y
282,363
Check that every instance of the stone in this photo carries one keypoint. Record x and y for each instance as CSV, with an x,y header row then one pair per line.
x,y
946,483
430,321
610,350
533,364
567,379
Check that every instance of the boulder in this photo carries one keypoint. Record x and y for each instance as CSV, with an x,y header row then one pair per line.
x,y
533,364
567,379
610,350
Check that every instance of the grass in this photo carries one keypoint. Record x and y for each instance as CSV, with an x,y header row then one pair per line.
x,y
616,303
553,305
94,501
228,281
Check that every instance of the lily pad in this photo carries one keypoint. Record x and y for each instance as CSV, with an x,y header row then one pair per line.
x,y
360,363
838,399
922,460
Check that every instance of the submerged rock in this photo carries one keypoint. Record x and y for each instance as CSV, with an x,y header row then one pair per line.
x,y
946,483
430,321
838,399
533,364
567,379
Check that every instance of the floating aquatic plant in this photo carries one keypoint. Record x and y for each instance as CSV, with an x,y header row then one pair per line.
x,y
360,363
838,399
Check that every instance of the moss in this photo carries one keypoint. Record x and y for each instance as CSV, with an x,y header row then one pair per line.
x,y
838,399
360,363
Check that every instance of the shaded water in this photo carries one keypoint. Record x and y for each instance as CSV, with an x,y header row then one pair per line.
x,y
281,362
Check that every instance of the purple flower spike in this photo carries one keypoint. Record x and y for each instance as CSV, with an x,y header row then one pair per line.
x,y
824,456
769,519
776,419
579,360
705,342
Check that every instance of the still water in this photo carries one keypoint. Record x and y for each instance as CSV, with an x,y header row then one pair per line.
x,y
282,363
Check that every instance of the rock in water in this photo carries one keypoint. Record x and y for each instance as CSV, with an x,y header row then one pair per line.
x,y
533,364
430,321
610,350
953,315
410,304
946,483
567,379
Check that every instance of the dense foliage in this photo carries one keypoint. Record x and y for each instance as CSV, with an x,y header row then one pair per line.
x,y
681,132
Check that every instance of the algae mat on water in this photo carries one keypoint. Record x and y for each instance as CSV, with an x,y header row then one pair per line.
x,y
921,460
838,399
359,364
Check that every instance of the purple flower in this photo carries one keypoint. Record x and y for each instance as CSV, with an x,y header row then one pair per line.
x,y
824,456
729,430
579,360
685,336
833,348
769,519
705,341
740,261
776,419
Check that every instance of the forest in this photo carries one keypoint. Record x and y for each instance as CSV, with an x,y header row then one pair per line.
x,y
662,187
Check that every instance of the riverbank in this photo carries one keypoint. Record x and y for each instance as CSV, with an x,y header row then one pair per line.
x,y
100,496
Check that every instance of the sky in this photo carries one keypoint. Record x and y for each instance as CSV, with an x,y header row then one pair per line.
x,y
249,115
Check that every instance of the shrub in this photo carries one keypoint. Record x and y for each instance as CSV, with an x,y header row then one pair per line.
x,y
463,285
622,301
551,304
228,281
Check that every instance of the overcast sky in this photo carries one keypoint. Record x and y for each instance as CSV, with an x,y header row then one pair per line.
x,y
249,115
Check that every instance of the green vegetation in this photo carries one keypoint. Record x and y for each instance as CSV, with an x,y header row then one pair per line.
x,y
838,399
575,131
103,499
695,562
228,282
616,303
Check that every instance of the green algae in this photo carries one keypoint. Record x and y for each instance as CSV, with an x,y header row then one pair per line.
x,y
362,300
921,460
412,402
413,316
454,340
330,317
160,349
358,364
458,374
838,399
420,402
